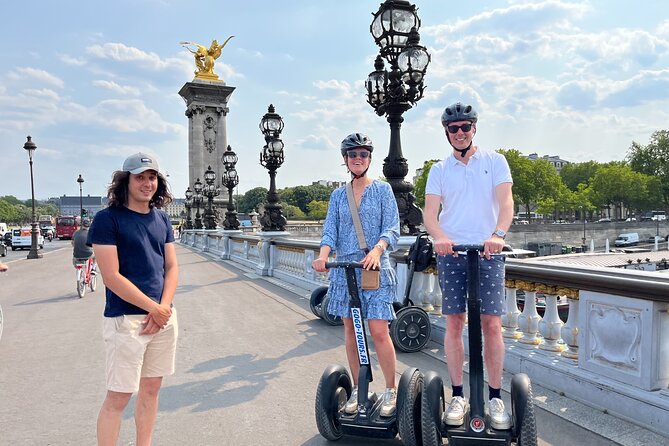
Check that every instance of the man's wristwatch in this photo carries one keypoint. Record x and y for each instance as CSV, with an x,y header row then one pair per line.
x,y
500,233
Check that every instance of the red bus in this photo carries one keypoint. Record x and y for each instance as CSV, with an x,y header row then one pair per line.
x,y
65,226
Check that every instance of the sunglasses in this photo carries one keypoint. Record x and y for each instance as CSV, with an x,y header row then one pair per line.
x,y
354,155
454,128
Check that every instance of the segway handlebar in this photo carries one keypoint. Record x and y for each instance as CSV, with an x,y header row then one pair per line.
x,y
465,248
343,265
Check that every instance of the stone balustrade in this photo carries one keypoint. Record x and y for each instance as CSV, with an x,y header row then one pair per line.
x,y
612,352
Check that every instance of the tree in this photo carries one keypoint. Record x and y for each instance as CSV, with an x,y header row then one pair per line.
x,y
290,211
653,159
620,186
579,173
8,212
301,196
318,209
252,199
421,182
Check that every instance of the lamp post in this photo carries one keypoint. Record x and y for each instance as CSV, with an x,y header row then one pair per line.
x,y
197,201
230,180
189,204
392,92
33,254
271,158
210,190
80,180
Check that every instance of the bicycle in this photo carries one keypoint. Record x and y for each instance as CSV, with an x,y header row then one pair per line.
x,y
86,270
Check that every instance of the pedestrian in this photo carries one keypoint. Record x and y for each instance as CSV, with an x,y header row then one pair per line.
x,y
472,188
134,247
377,208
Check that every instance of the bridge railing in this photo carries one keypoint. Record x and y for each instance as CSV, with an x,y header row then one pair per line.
x,y
598,335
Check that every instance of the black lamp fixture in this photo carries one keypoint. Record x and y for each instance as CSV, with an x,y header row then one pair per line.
x,y
230,181
197,201
189,205
210,190
33,254
392,92
271,158
80,180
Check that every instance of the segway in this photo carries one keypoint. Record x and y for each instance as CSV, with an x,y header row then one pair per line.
x,y
318,303
411,330
476,428
335,387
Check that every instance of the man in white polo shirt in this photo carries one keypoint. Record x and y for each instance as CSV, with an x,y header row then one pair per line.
x,y
473,189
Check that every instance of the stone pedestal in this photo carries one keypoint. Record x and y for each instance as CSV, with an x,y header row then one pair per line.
x,y
206,108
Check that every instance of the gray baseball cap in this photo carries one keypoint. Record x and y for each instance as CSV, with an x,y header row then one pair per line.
x,y
139,162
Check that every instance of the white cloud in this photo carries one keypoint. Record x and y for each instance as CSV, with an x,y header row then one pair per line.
x,y
113,86
71,60
131,116
27,73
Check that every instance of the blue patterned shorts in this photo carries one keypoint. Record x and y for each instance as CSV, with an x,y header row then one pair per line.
x,y
453,283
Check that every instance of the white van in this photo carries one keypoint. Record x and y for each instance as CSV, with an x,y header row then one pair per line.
x,y
23,238
3,228
629,239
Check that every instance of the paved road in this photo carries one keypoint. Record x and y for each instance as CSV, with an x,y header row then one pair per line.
x,y
249,359
23,253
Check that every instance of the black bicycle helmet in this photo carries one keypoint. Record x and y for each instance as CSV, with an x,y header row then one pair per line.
x,y
355,140
459,112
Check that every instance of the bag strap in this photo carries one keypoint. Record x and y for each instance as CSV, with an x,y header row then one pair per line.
x,y
356,218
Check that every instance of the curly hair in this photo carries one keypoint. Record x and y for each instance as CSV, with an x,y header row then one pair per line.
x,y
117,193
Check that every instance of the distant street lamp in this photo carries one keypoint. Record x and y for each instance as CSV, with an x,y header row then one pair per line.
x,y
210,190
80,180
229,181
271,158
391,93
189,204
197,200
33,254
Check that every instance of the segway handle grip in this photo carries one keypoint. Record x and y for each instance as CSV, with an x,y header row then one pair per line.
x,y
463,248
335,264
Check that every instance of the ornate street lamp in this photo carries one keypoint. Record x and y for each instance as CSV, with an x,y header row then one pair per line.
x,y
197,201
271,158
33,254
229,181
210,190
189,204
80,180
391,93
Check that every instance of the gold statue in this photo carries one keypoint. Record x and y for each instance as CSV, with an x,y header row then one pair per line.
x,y
205,57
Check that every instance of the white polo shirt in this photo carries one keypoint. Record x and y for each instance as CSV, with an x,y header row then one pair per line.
x,y
469,206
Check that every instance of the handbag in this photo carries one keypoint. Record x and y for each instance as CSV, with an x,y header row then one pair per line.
x,y
371,279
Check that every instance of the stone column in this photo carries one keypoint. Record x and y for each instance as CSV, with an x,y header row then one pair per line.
x,y
207,108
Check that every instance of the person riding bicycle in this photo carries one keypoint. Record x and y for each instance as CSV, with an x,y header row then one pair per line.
x,y
82,250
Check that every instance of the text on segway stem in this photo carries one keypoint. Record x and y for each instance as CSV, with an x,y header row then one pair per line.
x,y
358,328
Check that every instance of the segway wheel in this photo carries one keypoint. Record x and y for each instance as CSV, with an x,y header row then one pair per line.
x,y
411,330
334,389
409,392
432,409
522,408
327,317
316,300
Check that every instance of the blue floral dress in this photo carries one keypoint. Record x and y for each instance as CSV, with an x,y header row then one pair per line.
x,y
380,221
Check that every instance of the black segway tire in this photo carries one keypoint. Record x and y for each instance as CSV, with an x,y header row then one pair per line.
x,y
327,317
409,393
316,300
432,409
411,330
522,408
334,389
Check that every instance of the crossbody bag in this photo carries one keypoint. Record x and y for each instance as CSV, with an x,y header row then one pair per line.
x,y
371,279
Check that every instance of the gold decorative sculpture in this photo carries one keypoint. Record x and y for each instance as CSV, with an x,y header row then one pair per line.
x,y
205,57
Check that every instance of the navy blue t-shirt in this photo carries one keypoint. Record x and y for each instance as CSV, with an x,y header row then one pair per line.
x,y
140,242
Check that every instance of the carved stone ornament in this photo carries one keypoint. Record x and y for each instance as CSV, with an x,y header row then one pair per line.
x,y
209,133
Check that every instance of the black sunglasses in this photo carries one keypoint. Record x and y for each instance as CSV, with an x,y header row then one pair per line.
x,y
352,154
454,128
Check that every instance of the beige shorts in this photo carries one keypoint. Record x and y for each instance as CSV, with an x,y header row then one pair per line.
x,y
131,356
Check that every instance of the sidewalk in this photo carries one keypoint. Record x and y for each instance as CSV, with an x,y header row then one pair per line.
x,y
249,358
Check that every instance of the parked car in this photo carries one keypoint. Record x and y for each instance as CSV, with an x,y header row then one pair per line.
x,y
628,239
8,238
604,220
22,238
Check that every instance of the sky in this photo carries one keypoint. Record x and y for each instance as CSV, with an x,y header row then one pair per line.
x,y
93,82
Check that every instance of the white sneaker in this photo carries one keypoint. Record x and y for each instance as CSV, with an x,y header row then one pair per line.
x,y
455,414
389,402
499,418
351,406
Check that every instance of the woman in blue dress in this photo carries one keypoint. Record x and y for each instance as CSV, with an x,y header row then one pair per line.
x,y
380,225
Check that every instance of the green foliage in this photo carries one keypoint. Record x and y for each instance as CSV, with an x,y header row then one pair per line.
x,y
653,159
579,173
318,209
290,212
301,196
252,200
620,186
421,181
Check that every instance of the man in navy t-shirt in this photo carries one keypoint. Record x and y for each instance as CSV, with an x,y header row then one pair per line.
x,y
134,247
